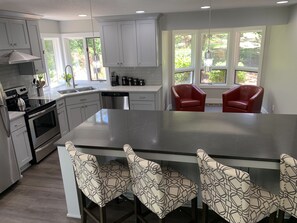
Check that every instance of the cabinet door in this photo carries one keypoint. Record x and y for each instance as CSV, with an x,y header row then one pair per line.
x,y
63,122
19,34
128,51
142,105
146,43
110,44
75,115
5,42
22,146
36,45
91,108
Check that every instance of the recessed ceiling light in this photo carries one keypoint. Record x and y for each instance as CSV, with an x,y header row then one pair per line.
x,y
82,15
282,2
205,7
140,11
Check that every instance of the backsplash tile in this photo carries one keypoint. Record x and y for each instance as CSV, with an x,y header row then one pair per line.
x,y
10,77
151,75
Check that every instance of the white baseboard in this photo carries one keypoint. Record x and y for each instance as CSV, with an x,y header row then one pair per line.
x,y
213,101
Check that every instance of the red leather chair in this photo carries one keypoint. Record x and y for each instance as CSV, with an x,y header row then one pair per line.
x,y
244,98
187,97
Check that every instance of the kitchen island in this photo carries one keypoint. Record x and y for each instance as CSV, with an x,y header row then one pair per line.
x,y
241,140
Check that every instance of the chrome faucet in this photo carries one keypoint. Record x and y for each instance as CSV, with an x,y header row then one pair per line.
x,y
71,70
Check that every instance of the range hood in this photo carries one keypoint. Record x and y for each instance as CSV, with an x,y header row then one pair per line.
x,y
16,57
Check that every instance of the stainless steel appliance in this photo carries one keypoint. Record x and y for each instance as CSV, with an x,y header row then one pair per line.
x,y
41,120
9,170
115,100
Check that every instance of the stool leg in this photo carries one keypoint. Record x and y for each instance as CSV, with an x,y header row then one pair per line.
x,y
204,213
137,209
162,220
272,217
83,205
281,216
102,213
194,210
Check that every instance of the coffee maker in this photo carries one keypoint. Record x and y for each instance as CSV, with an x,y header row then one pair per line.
x,y
114,79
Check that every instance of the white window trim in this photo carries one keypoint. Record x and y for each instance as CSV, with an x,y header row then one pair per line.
x,y
233,47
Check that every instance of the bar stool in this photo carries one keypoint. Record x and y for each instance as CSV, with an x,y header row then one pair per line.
x,y
99,183
229,193
288,186
160,190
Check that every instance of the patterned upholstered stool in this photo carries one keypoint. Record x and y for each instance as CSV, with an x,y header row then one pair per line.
x,y
229,193
160,190
99,183
288,186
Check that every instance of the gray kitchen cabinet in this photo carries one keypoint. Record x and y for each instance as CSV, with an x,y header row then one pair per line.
x,y
21,143
13,34
129,43
36,45
62,116
81,107
119,44
142,101
146,31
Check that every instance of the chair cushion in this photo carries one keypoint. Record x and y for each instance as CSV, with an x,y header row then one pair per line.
x,y
187,102
238,104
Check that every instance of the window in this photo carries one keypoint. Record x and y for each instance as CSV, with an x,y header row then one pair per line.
x,y
53,61
248,57
96,70
183,62
236,52
219,48
80,54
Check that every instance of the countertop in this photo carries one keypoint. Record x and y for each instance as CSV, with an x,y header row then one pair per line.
x,y
15,115
53,94
258,137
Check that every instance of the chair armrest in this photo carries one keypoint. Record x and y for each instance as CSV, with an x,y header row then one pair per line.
x,y
175,98
199,94
255,102
232,94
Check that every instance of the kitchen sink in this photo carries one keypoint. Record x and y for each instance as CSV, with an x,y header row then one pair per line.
x,y
75,90
85,89
67,91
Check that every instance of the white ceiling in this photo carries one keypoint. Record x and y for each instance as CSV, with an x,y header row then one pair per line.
x,y
70,9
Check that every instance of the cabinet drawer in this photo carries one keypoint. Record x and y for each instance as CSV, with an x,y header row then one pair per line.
x,y
60,103
17,124
82,99
141,96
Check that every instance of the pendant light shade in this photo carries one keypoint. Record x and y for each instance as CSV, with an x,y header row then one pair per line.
x,y
96,62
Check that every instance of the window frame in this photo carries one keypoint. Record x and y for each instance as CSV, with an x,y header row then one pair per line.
x,y
232,49
193,55
58,57
67,56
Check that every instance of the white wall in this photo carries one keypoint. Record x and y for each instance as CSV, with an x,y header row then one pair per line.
x,y
280,68
78,26
49,26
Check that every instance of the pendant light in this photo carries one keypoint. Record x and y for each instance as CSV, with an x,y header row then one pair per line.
x,y
96,62
208,60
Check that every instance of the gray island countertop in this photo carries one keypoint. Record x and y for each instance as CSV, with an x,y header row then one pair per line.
x,y
255,137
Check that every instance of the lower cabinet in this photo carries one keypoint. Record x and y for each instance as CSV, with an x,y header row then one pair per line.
x,y
21,143
80,108
62,116
142,101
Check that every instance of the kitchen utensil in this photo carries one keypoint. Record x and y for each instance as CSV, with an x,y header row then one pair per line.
x,y
141,82
21,104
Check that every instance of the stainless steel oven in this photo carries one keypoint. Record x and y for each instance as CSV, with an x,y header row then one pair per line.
x,y
44,130
41,120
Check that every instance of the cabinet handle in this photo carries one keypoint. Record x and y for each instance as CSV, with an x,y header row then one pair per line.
x,y
36,70
15,44
83,99
141,97
60,104
16,125
10,44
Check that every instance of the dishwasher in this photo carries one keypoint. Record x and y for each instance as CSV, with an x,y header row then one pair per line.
x,y
115,100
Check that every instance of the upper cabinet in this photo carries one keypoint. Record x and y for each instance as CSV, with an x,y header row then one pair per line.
x,y
36,45
129,43
13,34
119,44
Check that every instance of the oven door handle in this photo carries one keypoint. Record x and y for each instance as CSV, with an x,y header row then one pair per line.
x,y
42,112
